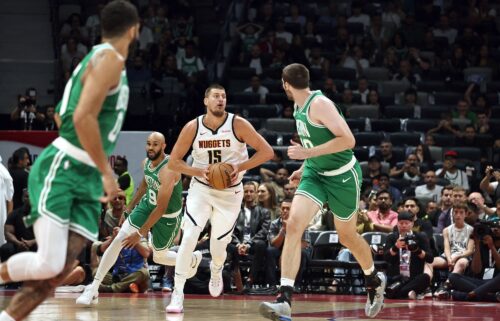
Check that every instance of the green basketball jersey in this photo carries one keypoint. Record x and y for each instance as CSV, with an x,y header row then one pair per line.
x,y
113,110
312,134
153,185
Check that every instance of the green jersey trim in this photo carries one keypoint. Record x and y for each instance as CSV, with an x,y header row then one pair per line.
x,y
308,100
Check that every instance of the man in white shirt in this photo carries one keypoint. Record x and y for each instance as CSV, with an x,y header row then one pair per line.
x,y
6,194
358,16
450,171
257,88
429,190
363,89
444,30
282,33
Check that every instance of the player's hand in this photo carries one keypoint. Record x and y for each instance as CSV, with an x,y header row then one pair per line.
x,y
110,187
296,151
234,173
294,179
204,174
131,241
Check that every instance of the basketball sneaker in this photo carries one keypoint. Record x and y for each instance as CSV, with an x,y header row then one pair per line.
x,y
176,304
279,310
194,265
375,286
89,296
216,285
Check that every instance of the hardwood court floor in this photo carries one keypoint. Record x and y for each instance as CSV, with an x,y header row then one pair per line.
x,y
124,307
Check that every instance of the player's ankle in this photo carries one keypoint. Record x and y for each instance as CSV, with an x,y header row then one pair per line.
x,y
285,294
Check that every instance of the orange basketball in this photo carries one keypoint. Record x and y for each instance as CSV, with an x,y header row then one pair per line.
x,y
219,175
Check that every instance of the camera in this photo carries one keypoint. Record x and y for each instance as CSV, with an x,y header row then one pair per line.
x,y
411,242
483,228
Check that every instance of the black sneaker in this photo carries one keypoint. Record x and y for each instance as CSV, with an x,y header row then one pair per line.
x,y
280,310
375,287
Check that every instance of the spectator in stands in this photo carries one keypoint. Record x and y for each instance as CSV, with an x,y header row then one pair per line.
x,y
383,219
393,14
347,100
250,233
93,25
485,266
329,17
378,32
463,112
410,171
183,27
249,35
455,64
400,46
254,60
489,186
295,16
446,126
139,73
310,34
191,65
483,123
113,214
70,51
257,88
373,98
443,29
405,73
49,122
483,211
6,194
384,184
329,88
450,171
343,41
276,239
374,168
289,190
267,199
410,99
280,32
353,58
391,60
159,23
458,248
444,216
266,16
277,180
19,237
406,253
319,65
458,196
424,156
429,140
168,69
358,16
146,37
19,173
125,180
432,213
25,115
430,190
74,23
362,89
412,205
485,60
387,154
129,273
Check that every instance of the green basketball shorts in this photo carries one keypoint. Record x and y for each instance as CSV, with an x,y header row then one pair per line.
x,y
341,191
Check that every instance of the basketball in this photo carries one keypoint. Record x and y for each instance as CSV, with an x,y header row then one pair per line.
x,y
219,175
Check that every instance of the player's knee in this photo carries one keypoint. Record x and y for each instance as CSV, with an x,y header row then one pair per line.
x,y
294,229
51,267
159,255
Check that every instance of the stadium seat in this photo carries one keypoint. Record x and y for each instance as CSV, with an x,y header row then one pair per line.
x,y
377,241
280,125
431,86
484,72
244,98
235,109
376,73
277,98
356,28
392,87
421,125
368,138
241,73
262,111
356,124
404,139
292,165
270,137
399,111
447,98
274,85
342,73
422,98
444,140
434,111
385,100
495,112
495,128
470,153
361,152
436,153
386,125
363,111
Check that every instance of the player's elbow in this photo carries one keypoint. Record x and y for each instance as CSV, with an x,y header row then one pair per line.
x,y
350,141
268,152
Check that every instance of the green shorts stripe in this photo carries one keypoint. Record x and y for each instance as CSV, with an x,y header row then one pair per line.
x,y
358,194
312,197
42,204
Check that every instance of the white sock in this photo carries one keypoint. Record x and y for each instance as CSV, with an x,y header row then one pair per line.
x,y
4,316
287,282
370,270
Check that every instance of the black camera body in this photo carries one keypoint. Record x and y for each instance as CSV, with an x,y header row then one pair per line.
x,y
411,242
483,228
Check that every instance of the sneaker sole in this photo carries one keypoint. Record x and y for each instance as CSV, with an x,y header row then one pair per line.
x,y
267,312
93,302
382,285
174,310
215,295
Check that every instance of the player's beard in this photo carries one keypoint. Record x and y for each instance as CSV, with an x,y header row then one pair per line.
x,y
154,157
289,94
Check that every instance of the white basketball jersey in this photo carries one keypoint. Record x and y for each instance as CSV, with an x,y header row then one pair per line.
x,y
217,146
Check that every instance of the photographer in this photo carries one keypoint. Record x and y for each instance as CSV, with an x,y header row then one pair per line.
x,y
25,115
406,253
485,266
488,186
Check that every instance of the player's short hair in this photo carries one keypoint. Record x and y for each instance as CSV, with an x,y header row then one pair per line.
x,y
213,86
297,75
117,17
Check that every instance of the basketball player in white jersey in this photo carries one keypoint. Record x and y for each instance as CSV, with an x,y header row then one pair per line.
x,y
217,136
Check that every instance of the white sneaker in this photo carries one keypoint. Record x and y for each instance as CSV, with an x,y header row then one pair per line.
x,y
375,300
216,285
89,296
276,311
412,295
176,304
194,267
